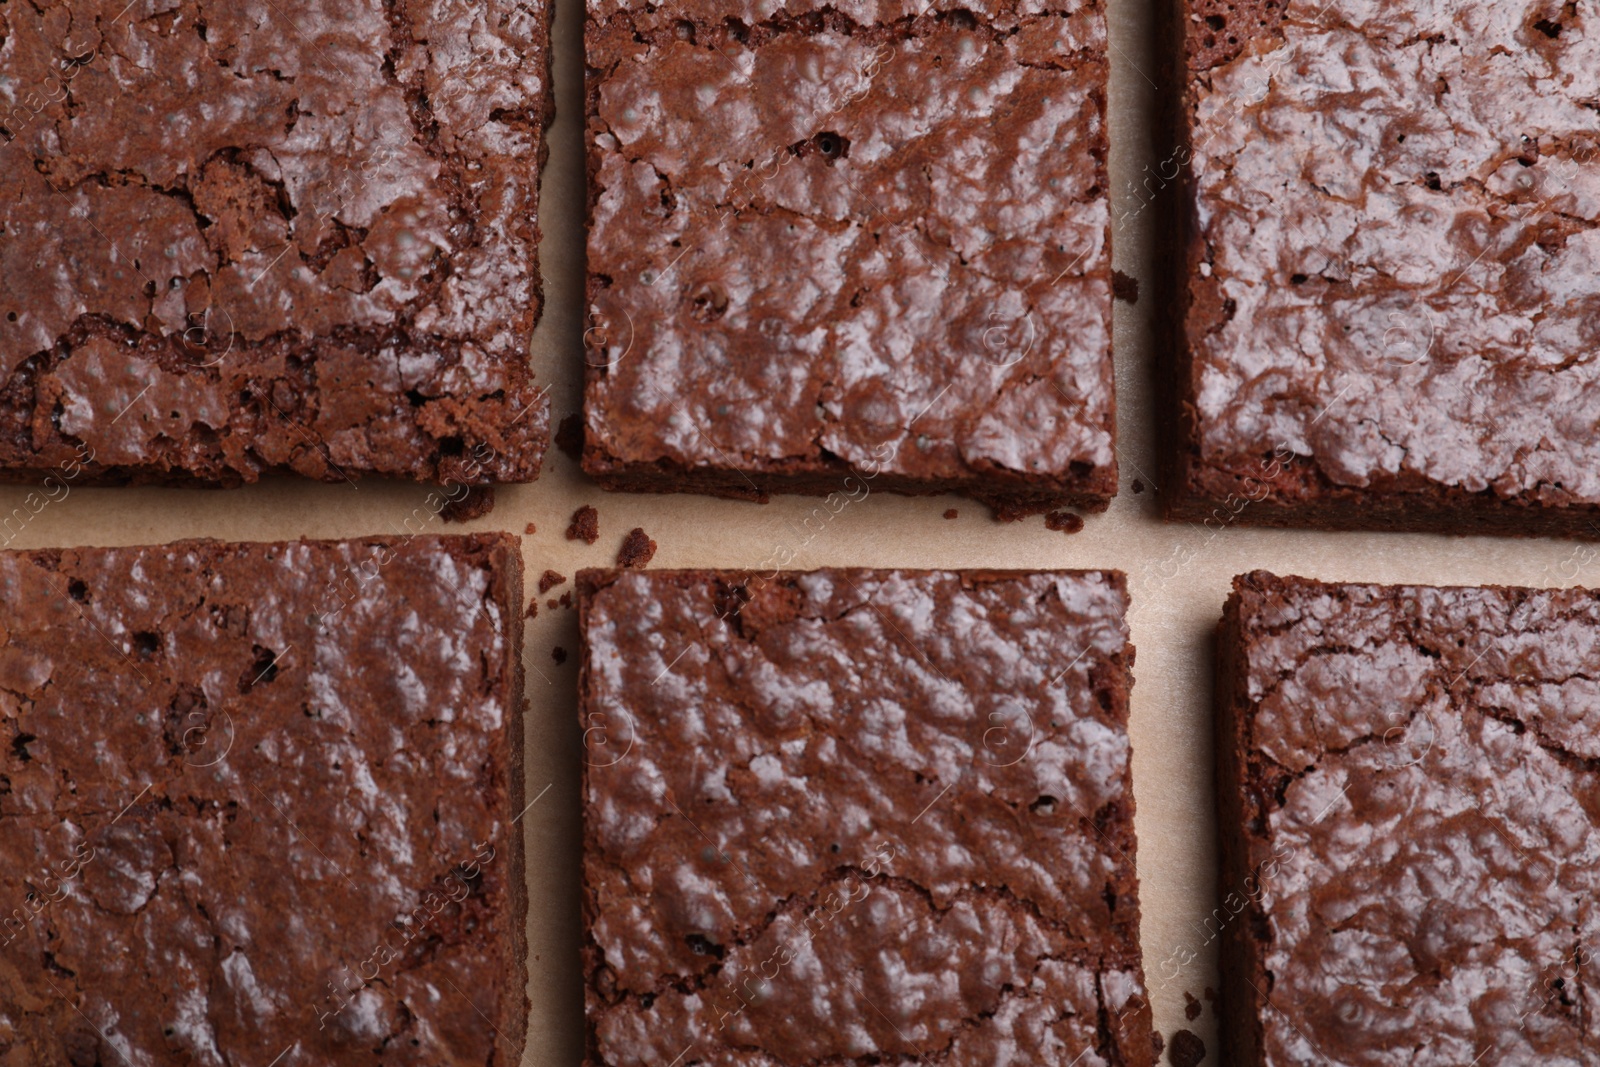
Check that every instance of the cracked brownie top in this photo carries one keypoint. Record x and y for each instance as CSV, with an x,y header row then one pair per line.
x,y
851,815
256,804
258,236
841,237
1419,793
1399,226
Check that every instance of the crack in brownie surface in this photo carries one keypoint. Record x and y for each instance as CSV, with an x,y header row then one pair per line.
x,y
255,237
859,816
847,238
1391,280
1411,779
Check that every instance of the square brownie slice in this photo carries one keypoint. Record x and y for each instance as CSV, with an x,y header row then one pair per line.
x,y
258,804
1409,787
847,240
1393,238
283,237
853,816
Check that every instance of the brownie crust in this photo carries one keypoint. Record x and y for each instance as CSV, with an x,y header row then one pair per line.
x,y
253,238
856,816
880,249
1392,230
258,802
1409,795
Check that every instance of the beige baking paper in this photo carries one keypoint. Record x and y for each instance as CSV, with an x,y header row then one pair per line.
x,y
1179,575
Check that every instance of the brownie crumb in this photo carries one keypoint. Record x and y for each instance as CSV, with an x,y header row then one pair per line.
x,y
559,654
637,549
1138,487
475,503
566,600
530,529
1185,1049
1159,1042
585,525
951,513
1063,522
1191,1006
549,580
1124,287
569,436
552,603
533,609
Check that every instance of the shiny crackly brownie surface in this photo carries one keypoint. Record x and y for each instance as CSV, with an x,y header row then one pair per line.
x,y
271,236
859,816
857,236
1398,210
256,804
1414,782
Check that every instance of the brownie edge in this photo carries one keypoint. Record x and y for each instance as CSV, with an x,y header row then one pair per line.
x,y
1240,964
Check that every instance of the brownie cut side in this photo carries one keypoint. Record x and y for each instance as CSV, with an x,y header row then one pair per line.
x,y
258,804
262,237
1392,231
1408,786
836,245
853,817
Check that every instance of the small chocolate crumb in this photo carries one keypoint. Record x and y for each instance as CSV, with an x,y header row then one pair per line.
x,y
1210,994
1191,1007
552,603
1063,522
585,525
559,654
566,600
637,549
1124,287
951,513
533,609
1185,1049
1138,487
475,503
549,580
569,435
1159,1042
530,529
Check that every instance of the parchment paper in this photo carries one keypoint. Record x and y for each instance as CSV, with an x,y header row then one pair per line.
x,y
1179,575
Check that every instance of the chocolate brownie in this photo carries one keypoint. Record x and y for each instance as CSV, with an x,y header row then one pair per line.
x,y
1409,787
271,237
1393,235
258,804
850,240
854,817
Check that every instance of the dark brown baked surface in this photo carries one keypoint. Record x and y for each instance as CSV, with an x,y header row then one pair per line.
x,y
855,817
1392,241
271,237
1409,788
850,241
258,802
